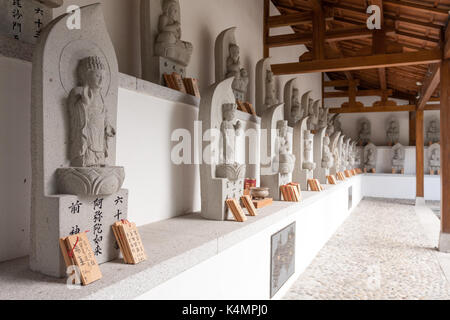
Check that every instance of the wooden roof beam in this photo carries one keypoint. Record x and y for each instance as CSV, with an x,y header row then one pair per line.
x,y
417,7
430,84
359,93
360,63
401,108
331,35
292,19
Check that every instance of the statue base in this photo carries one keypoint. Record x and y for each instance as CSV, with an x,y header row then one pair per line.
x,y
166,66
59,216
274,182
232,172
92,181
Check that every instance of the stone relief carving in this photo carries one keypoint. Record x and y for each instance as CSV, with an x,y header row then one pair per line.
x,y
370,158
331,124
364,132
434,158
308,161
234,69
271,91
228,167
392,131
296,112
433,131
90,132
221,176
89,126
323,117
313,114
168,42
398,158
284,157
327,156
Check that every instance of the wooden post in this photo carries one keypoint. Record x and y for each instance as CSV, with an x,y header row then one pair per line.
x,y
412,128
266,28
445,150
319,28
419,155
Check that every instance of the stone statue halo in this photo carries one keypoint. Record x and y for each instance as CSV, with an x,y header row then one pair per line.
x,y
71,55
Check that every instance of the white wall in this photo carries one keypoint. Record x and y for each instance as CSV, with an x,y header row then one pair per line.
x,y
316,222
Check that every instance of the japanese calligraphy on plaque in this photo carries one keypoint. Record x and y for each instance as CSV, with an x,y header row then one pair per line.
x,y
129,241
23,19
77,251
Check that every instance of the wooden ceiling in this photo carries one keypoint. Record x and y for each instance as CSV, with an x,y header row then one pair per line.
x,y
408,26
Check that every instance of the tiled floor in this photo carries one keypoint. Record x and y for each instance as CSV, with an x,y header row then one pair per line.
x,y
380,252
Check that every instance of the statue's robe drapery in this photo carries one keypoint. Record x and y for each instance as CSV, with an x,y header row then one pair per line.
x,y
89,128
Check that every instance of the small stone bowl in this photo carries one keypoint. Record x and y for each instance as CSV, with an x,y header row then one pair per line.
x,y
259,193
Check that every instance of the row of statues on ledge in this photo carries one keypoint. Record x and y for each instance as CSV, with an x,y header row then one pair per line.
x,y
432,134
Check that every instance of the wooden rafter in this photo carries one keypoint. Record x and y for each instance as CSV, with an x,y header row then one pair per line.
x,y
430,84
360,63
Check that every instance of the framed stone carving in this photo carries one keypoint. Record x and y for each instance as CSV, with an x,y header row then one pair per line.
x,y
392,131
277,161
221,176
398,158
370,158
282,258
76,185
162,47
304,153
228,63
433,131
364,131
293,111
323,158
266,93
434,159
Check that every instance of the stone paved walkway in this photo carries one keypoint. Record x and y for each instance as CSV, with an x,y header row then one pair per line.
x,y
380,252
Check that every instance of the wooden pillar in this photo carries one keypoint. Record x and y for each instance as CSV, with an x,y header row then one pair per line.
x,y
266,28
412,128
420,175
445,148
319,28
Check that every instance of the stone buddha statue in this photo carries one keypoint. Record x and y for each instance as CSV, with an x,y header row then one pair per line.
x,y
229,130
271,91
435,159
393,132
327,156
284,157
89,126
364,133
433,132
296,111
234,69
308,161
168,42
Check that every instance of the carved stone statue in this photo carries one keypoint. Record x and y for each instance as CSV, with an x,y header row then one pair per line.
x,y
285,158
234,69
308,163
327,156
364,132
229,131
398,158
434,159
313,113
52,3
89,126
370,158
168,42
393,131
331,125
323,117
433,132
271,91
352,155
296,112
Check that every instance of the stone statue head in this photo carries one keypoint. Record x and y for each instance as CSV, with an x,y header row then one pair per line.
x,y
170,9
91,72
282,126
229,111
326,140
244,73
435,155
234,50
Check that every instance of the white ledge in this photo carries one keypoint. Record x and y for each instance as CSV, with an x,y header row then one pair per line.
x,y
172,246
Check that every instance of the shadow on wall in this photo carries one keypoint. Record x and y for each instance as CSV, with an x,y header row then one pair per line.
x,y
205,49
